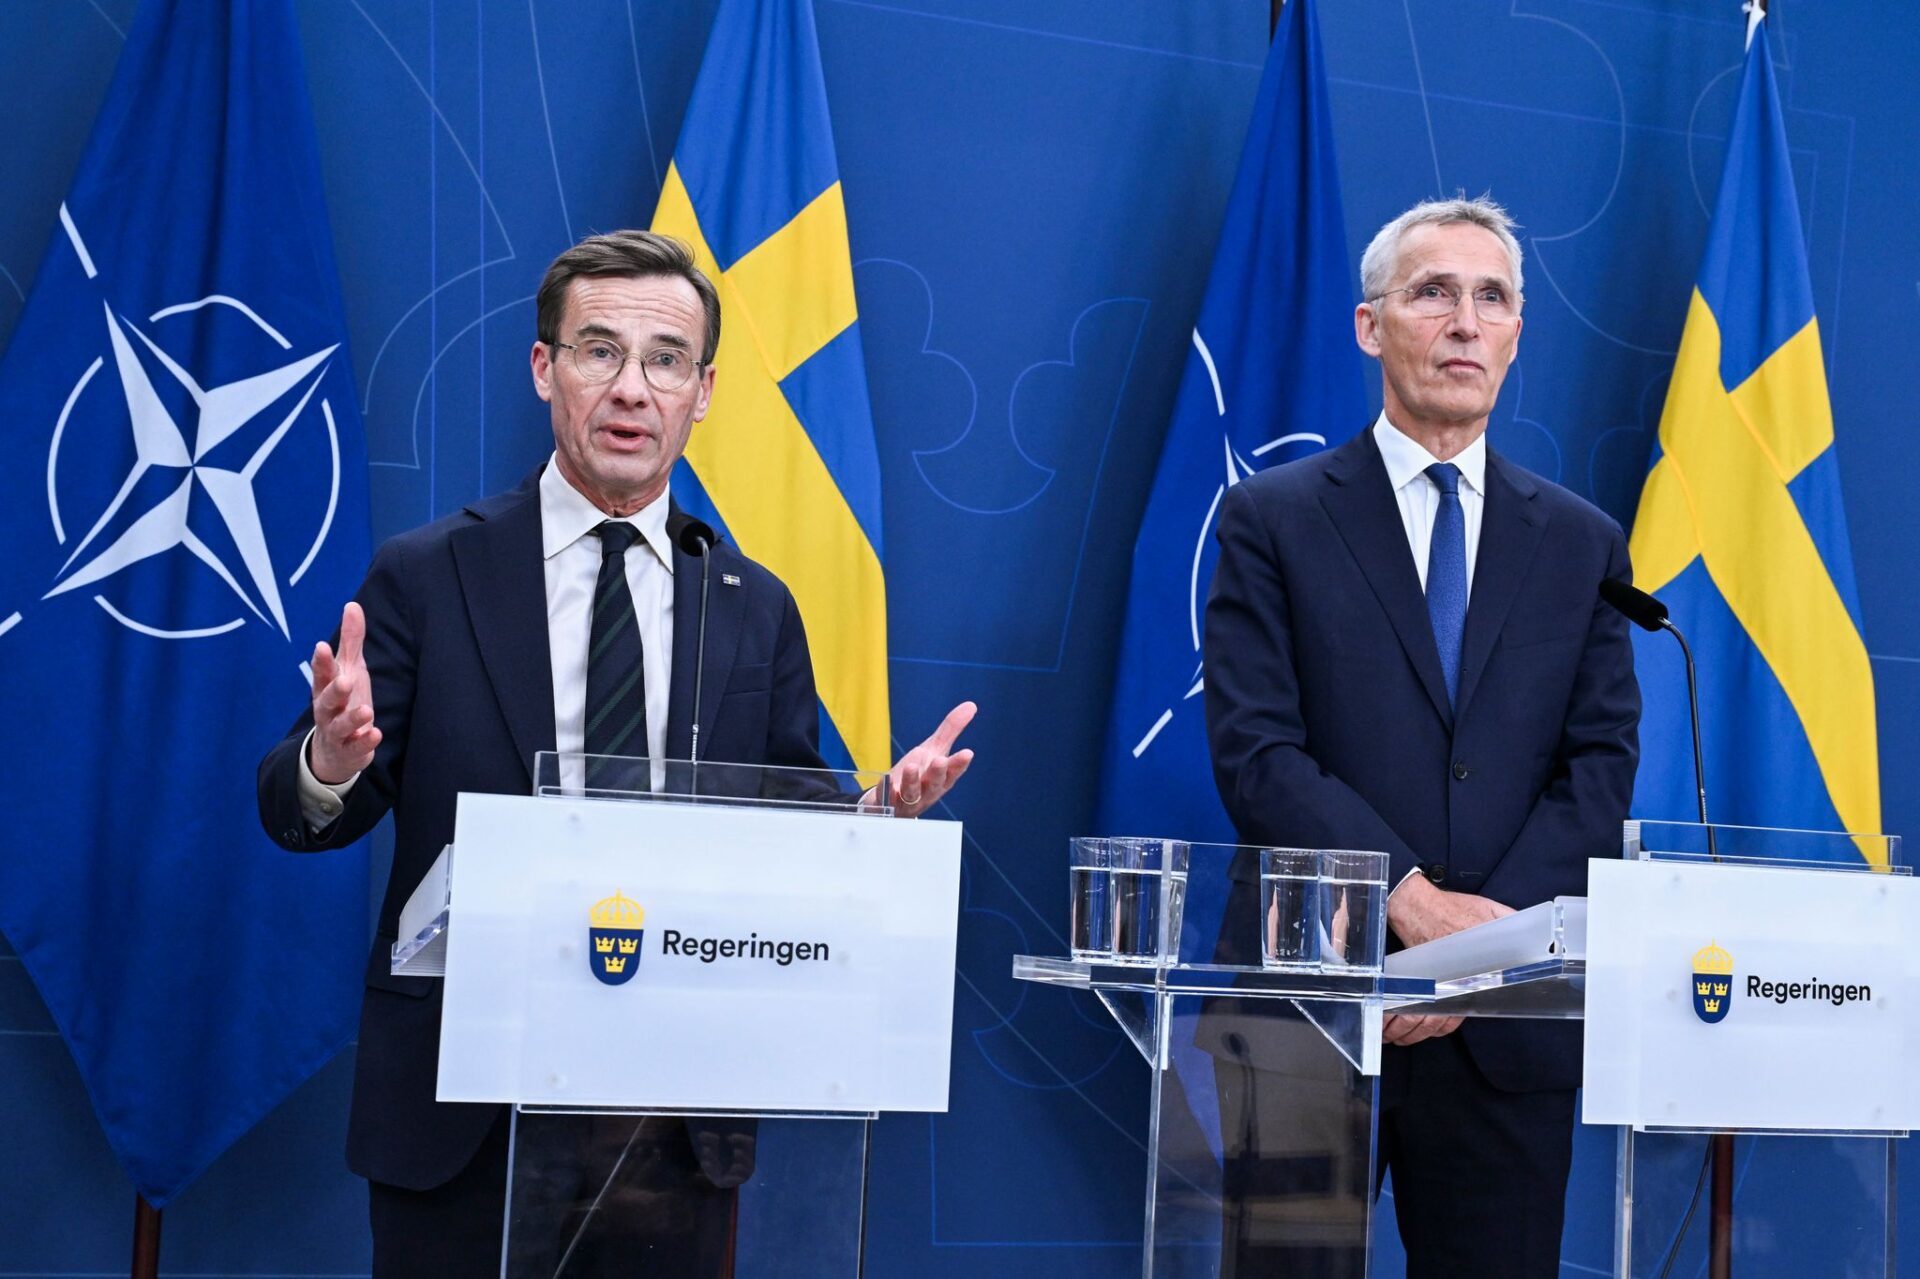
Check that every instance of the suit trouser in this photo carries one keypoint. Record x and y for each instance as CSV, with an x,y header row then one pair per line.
x,y
453,1229
1479,1175
602,1197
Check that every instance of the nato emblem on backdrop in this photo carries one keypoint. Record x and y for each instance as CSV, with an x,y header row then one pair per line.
x,y
1204,550
1712,983
200,437
615,938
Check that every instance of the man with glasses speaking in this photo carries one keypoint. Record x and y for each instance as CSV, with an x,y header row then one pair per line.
x,y
560,615
1406,651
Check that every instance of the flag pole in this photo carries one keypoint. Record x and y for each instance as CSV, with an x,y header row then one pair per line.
x,y
146,1239
1720,1224
1273,18
1720,1213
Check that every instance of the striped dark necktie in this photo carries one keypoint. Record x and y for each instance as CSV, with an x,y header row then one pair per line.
x,y
616,683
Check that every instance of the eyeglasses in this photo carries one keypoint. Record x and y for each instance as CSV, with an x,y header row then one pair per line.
x,y
1491,302
666,368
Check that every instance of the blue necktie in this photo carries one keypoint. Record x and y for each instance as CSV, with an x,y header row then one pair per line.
x,y
1447,573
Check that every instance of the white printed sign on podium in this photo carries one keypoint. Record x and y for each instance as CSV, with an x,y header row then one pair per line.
x,y
780,961
693,983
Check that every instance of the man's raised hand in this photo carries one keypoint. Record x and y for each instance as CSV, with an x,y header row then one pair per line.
x,y
930,769
344,736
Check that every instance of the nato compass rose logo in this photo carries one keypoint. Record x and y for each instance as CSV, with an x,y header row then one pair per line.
x,y
1238,468
210,389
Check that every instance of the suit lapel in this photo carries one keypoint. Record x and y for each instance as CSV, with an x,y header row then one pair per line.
x,y
1511,526
503,581
725,607
1361,504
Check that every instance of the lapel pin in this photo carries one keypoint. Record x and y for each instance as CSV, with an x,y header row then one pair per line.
x,y
730,579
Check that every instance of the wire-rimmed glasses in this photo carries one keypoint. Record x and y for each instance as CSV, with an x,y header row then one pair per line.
x,y
597,361
1493,303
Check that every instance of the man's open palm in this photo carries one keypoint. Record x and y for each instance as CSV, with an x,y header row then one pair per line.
x,y
344,736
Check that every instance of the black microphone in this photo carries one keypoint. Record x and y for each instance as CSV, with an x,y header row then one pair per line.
x,y
690,535
696,538
1648,613
1642,609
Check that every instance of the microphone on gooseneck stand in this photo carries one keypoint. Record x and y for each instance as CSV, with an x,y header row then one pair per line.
x,y
1642,609
1649,614
696,539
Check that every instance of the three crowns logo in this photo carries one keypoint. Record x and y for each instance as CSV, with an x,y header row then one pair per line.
x,y
1712,983
613,951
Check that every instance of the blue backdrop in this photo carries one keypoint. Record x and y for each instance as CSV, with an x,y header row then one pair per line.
x,y
1032,194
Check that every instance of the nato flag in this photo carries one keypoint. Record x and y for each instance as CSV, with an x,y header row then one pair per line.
x,y
183,506
1273,375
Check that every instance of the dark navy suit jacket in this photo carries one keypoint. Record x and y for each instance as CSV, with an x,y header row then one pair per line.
x,y
463,695
1328,718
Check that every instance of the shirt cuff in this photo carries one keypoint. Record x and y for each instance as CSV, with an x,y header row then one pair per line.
x,y
321,803
1416,872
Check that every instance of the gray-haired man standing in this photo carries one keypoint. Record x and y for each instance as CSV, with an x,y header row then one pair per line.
x,y
1406,650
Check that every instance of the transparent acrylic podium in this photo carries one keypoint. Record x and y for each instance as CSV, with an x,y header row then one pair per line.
x,y
1664,1202
1261,1128
1261,1155
679,1189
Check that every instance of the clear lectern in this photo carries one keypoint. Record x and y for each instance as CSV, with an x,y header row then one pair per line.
x,y
695,984
1261,1154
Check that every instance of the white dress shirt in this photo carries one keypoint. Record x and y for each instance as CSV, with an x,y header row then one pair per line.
x,y
1419,498
571,551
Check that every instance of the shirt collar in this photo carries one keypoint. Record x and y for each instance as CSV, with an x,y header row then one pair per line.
x,y
1408,460
566,516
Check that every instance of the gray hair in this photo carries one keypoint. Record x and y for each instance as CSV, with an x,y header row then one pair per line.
x,y
1381,261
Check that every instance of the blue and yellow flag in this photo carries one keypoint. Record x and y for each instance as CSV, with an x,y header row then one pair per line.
x,y
786,454
1741,530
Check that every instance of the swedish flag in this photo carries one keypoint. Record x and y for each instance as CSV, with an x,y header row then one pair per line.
x,y
786,454
1741,530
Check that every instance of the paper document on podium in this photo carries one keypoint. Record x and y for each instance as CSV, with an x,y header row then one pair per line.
x,y
421,949
1551,930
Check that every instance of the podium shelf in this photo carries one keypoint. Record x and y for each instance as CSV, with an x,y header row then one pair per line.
x,y
1221,979
1551,989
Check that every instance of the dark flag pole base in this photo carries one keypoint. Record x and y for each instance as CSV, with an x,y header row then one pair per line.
x,y
1720,1224
146,1239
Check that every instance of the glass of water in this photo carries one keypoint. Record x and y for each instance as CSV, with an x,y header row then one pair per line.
x,y
1149,898
1353,910
1290,909
1090,896
1127,898
1322,910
